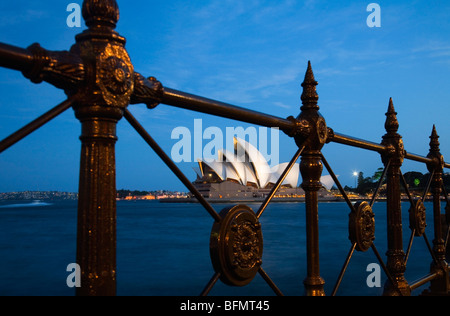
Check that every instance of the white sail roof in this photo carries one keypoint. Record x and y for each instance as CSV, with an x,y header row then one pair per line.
x,y
292,177
230,173
242,168
218,168
327,182
248,166
223,171
248,175
228,158
255,160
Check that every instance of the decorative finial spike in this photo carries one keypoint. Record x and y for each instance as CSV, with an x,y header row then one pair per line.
x,y
100,13
391,107
434,132
309,76
309,96
391,124
434,140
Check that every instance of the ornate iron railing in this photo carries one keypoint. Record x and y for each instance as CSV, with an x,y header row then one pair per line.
x,y
100,82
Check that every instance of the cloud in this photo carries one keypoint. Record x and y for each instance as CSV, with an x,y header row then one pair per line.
x,y
433,49
23,17
282,105
247,52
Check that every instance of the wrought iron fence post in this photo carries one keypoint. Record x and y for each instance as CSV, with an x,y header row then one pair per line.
x,y
439,285
311,170
99,79
102,100
394,153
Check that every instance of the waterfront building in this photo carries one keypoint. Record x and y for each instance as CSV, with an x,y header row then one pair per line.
x,y
244,174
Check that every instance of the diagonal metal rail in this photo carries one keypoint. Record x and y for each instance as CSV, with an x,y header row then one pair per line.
x,y
380,182
269,281
336,181
413,204
354,244
279,182
261,272
166,159
34,125
210,284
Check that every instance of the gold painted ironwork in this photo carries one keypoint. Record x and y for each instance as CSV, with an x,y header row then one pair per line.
x,y
236,245
100,81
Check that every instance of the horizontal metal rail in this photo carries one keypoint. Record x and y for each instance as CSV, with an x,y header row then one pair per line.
x,y
356,142
199,104
418,158
424,280
16,58
364,144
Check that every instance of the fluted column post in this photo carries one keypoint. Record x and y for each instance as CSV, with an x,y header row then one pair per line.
x,y
100,105
440,285
100,81
311,171
394,155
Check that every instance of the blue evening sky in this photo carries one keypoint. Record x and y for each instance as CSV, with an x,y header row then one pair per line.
x,y
249,53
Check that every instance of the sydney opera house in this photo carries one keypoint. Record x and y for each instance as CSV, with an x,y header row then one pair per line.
x,y
244,174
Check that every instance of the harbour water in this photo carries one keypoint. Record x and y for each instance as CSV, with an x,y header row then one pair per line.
x,y
163,249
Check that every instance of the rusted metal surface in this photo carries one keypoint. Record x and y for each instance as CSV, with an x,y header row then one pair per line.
x,y
100,81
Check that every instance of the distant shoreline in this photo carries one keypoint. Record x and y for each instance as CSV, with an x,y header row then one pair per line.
x,y
38,195
280,200
61,196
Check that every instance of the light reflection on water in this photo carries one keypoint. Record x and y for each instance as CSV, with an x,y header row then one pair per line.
x,y
36,203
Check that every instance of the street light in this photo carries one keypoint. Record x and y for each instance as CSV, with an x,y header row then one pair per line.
x,y
355,174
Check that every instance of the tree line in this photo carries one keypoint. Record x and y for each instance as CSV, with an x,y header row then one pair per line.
x,y
416,182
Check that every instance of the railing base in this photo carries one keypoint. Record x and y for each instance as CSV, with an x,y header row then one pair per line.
x,y
402,289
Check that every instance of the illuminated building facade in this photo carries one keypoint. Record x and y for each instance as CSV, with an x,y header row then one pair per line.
x,y
245,174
